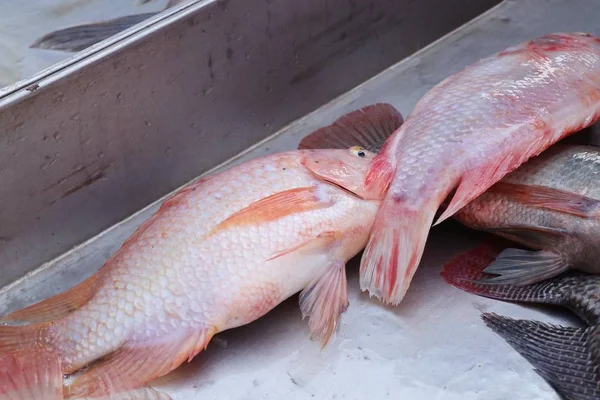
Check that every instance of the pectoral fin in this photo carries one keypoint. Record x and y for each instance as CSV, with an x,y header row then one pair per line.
x,y
524,267
277,206
550,198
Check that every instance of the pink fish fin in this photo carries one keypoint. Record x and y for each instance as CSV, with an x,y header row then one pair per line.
x,y
367,127
325,299
276,206
137,363
31,374
466,272
521,267
145,393
394,250
476,181
566,357
57,306
382,168
323,242
550,198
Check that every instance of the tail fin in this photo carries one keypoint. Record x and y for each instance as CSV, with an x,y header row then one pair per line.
x,y
29,368
563,356
394,250
466,272
80,37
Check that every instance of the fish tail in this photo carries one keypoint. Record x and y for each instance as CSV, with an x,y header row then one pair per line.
x,y
561,355
466,272
80,37
30,367
394,250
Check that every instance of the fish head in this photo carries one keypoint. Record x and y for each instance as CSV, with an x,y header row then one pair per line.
x,y
346,168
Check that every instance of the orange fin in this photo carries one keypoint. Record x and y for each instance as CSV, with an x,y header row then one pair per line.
x,y
22,338
394,250
475,182
324,301
57,306
323,240
145,393
368,127
549,198
277,206
136,364
31,375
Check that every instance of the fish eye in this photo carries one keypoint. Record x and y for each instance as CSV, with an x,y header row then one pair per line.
x,y
358,151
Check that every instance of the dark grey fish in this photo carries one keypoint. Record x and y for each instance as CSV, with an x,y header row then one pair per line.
x,y
80,37
551,204
567,358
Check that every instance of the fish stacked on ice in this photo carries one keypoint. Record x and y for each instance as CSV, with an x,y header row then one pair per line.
x,y
464,135
218,254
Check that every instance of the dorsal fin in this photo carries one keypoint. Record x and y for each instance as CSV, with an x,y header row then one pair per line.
x,y
368,127
57,306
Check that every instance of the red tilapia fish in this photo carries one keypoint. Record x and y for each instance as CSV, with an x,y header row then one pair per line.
x,y
464,135
218,254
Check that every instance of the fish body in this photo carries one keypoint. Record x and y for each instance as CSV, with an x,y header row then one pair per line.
x,y
567,358
467,133
550,204
218,254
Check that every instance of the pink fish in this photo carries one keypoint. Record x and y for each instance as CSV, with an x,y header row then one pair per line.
x,y
218,254
464,135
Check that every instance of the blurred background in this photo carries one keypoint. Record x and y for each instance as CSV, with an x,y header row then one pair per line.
x,y
23,22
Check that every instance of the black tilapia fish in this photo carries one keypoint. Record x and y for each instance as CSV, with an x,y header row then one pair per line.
x,y
80,37
551,204
567,358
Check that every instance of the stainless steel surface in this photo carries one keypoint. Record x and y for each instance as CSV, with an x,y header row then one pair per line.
x,y
431,347
101,135
22,22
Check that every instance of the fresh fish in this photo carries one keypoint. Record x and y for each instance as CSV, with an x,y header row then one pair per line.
x,y
217,255
550,204
566,357
80,37
464,135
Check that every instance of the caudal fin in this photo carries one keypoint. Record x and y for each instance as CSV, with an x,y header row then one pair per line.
x,y
565,357
29,368
394,250
467,272
80,37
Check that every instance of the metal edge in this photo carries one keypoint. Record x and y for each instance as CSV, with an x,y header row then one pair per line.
x,y
16,92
